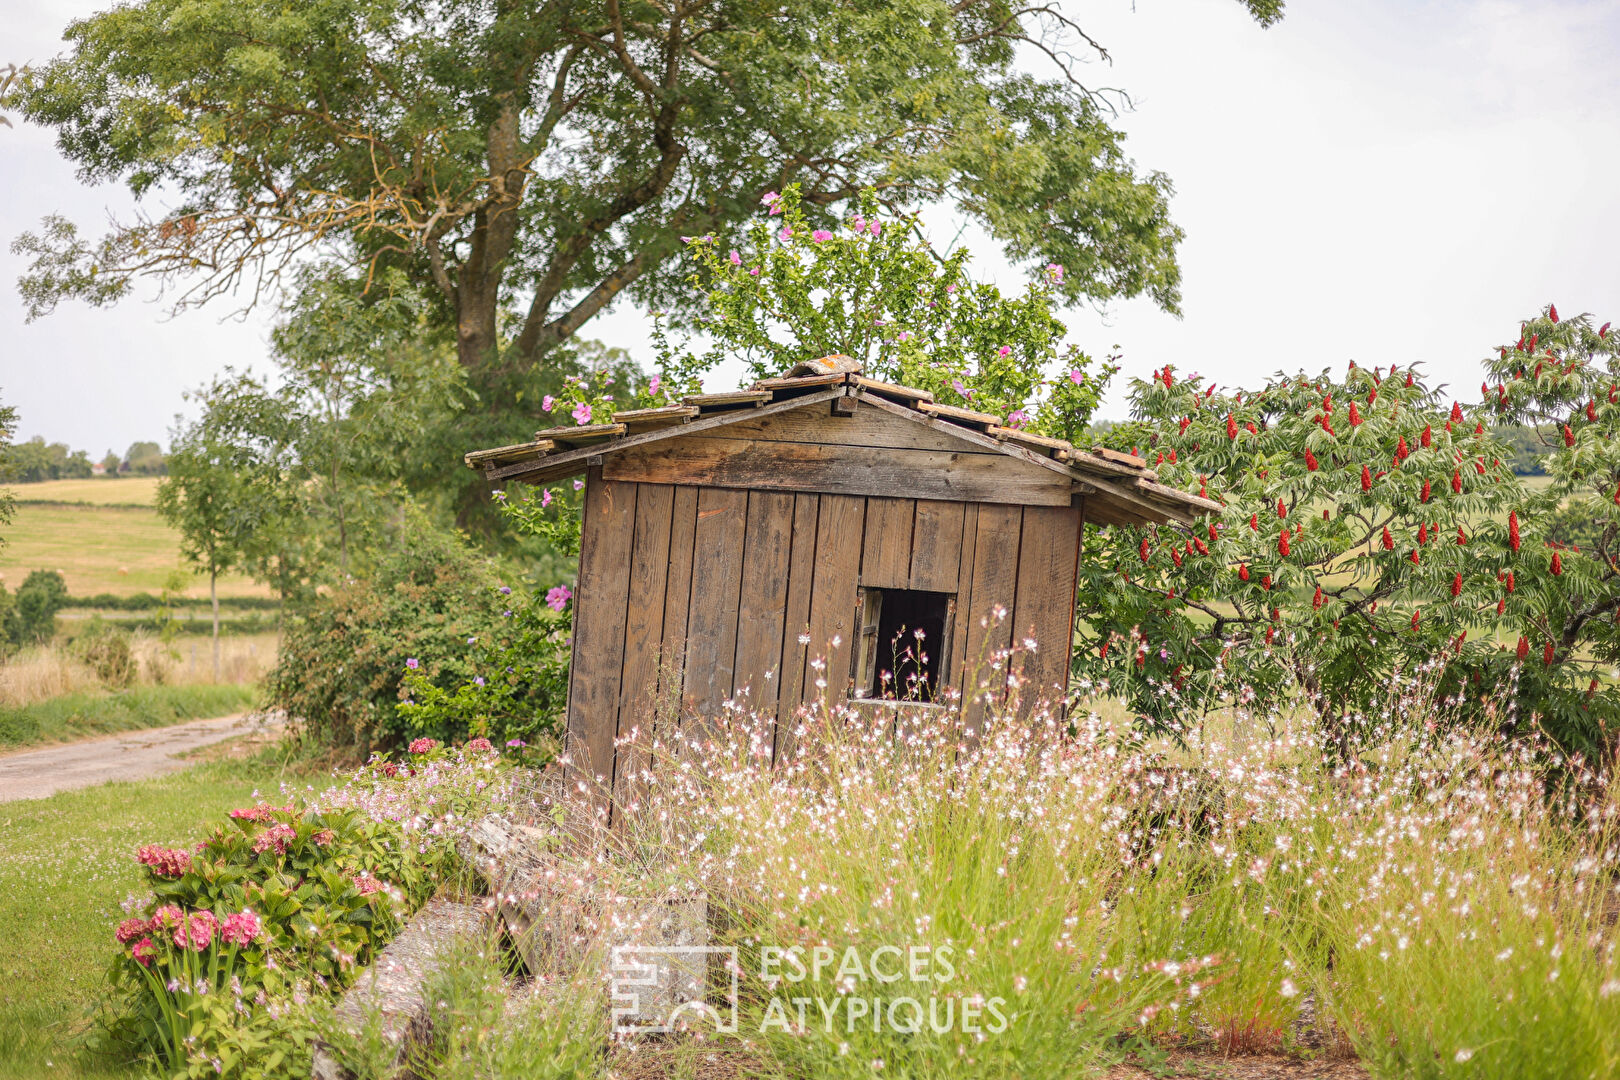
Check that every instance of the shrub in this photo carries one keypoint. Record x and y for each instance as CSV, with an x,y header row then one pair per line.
x,y
515,685
104,648
343,660
32,618
283,904
1371,527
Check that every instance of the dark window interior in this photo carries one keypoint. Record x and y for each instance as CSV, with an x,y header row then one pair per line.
x,y
910,644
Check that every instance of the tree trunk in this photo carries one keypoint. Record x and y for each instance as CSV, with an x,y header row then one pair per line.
x,y
213,596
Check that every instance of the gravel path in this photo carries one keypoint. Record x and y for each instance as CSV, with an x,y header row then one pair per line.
x,y
132,755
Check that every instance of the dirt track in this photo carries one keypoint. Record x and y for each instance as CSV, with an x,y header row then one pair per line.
x,y
133,755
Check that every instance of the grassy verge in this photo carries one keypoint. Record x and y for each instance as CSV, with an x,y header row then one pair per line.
x,y
74,716
68,863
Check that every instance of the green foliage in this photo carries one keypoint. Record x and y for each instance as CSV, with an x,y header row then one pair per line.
x,y
33,461
8,427
68,865
1357,545
343,660
280,904
227,491
104,648
871,289
145,601
143,459
445,145
509,685
31,619
1529,448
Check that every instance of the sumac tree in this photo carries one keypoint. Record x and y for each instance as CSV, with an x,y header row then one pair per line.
x,y
1372,527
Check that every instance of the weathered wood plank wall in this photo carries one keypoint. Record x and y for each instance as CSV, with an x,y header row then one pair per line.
x,y
712,588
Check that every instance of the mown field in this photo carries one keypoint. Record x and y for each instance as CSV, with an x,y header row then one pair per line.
x,y
101,536
127,491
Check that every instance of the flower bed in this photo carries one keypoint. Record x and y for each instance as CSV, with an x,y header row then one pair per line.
x,y
227,965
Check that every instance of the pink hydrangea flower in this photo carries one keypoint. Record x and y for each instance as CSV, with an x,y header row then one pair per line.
x,y
166,916
423,745
261,813
557,598
164,862
276,837
241,929
479,745
130,929
144,951
197,932
365,884
582,413
821,236
324,838
547,402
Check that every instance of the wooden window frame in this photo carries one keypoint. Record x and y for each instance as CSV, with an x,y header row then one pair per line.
x,y
863,655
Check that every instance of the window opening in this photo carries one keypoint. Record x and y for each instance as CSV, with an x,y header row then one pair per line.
x,y
902,645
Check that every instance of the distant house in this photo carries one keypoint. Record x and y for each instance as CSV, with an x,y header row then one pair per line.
x,y
97,469
799,537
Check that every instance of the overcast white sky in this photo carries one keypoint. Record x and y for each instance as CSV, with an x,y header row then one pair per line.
x,y
1379,181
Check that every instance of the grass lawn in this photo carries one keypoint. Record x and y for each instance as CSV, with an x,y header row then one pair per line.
x,y
123,491
78,716
67,863
116,549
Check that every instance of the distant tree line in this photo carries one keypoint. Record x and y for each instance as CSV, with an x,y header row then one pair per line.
x,y
36,460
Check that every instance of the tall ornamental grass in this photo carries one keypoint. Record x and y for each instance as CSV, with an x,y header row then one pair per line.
x,y
1442,902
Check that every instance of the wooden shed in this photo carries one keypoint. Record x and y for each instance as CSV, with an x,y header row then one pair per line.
x,y
771,544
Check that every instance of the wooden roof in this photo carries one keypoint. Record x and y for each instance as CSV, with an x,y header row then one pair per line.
x,y
1118,488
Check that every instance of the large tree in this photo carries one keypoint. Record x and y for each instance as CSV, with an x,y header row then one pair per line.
x,y
533,161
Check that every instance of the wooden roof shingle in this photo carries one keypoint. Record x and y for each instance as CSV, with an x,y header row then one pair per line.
x,y
1119,484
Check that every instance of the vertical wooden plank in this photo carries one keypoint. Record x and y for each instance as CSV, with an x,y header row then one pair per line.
x,y
796,622
711,624
678,591
643,635
1043,607
995,581
936,545
839,535
886,554
762,606
957,665
599,617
